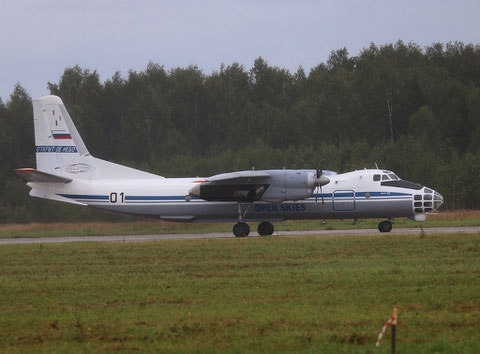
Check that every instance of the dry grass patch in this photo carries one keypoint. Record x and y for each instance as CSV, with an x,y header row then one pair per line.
x,y
68,226
456,215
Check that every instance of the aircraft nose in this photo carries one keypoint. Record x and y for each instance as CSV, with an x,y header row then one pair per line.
x,y
437,200
426,201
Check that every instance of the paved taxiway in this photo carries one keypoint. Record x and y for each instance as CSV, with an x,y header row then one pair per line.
x,y
140,238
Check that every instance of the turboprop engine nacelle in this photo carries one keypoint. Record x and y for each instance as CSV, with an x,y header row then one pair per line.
x,y
292,185
267,185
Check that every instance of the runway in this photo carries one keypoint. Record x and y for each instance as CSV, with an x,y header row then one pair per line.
x,y
143,238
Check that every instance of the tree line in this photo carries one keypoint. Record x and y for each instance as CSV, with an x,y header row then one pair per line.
x,y
409,109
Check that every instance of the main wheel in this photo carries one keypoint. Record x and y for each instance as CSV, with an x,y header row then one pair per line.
x,y
385,226
265,228
241,229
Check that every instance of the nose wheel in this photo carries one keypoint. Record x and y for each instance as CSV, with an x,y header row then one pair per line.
x,y
385,226
241,229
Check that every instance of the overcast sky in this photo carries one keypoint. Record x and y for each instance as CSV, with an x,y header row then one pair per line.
x,y
40,38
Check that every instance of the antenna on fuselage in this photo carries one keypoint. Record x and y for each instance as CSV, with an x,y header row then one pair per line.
x,y
376,166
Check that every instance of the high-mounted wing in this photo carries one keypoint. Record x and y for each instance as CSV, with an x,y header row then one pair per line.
x,y
273,186
244,186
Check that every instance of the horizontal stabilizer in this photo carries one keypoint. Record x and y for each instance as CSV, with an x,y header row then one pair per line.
x,y
33,175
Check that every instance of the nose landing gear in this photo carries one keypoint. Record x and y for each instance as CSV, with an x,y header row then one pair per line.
x,y
385,226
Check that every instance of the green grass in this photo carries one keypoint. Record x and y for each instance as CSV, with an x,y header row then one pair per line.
x,y
273,294
458,218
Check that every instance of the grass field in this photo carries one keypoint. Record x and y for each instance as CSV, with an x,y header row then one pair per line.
x,y
457,218
273,294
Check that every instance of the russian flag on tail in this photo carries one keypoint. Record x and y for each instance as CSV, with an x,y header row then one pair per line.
x,y
61,136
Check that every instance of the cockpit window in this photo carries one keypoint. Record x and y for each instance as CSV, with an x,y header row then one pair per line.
x,y
393,176
385,178
428,190
376,177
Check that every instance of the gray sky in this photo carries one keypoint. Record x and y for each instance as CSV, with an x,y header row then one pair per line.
x,y
40,38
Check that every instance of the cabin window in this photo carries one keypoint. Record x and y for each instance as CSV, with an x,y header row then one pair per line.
x,y
427,204
417,204
376,178
385,178
417,197
427,197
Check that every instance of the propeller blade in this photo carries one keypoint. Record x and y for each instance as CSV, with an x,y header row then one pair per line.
x,y
319,182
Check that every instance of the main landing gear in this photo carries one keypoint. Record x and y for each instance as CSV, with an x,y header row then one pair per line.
x,y
241,229
265,228
385,226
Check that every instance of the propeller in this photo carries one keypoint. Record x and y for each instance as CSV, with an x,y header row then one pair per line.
x,y
319,182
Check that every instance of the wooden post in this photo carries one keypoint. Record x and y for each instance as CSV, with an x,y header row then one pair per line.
x,y
394,331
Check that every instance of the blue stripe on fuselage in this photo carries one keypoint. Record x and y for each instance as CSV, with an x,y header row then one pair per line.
x,y
158,197
363,194
83,196
147,198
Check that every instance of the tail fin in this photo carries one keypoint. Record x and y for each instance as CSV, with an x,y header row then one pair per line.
x,y
60,150
58,145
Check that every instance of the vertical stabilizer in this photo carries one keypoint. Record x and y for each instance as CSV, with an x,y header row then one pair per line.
x,y
58,145
60,150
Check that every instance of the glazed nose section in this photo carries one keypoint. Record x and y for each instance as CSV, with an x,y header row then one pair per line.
x,y
437,200
427,201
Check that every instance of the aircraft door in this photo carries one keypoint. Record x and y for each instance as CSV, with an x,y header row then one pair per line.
x,y
344,200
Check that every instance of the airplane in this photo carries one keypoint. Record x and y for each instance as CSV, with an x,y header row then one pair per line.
x,y
67,172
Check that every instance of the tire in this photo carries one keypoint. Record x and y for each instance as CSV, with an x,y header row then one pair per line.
x,y
241,229
385,226
265,228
